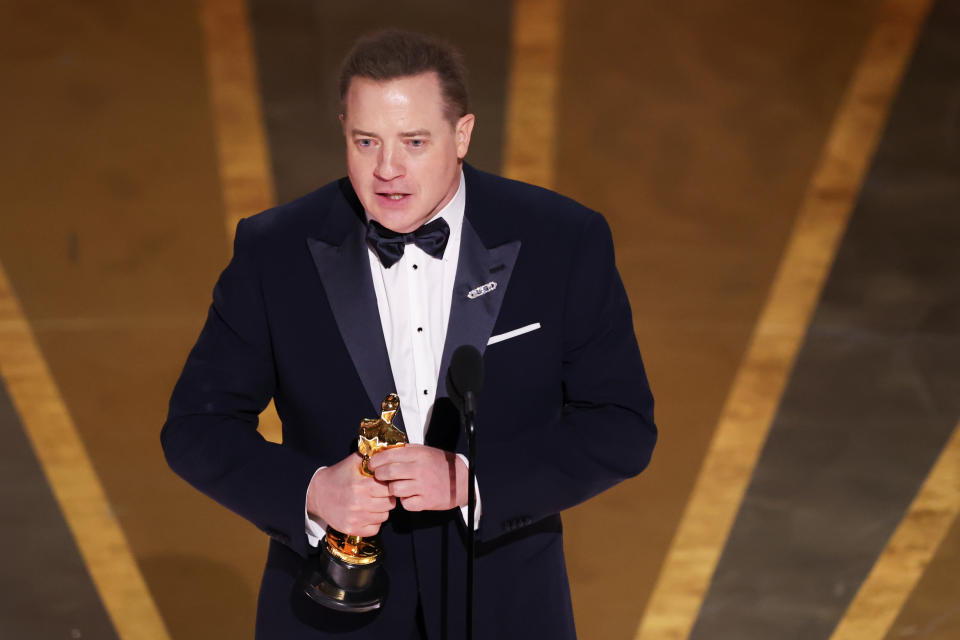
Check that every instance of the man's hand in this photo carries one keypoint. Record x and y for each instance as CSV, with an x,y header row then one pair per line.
x,y
349,501
424,478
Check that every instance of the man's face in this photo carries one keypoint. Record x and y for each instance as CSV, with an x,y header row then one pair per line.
x,y
403,154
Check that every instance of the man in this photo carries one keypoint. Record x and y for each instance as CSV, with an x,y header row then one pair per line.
x,y
365,287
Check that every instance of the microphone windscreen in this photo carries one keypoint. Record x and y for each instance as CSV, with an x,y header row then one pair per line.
x,y
466,370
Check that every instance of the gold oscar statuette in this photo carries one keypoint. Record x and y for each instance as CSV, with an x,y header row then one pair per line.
x,y
346,575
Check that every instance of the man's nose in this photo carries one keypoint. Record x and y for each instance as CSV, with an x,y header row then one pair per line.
x,y
389,164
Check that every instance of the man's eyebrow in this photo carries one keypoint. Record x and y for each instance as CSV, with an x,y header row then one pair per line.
x,y
419,133
358,132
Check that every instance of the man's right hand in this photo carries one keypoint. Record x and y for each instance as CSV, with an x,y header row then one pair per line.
x,y
349,501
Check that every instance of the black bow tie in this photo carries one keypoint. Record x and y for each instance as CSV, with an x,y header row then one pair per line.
x,y
389,245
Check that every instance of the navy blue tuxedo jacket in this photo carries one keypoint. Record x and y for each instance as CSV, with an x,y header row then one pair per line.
x,y
565,412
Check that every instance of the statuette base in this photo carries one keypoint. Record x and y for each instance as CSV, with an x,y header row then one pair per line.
x,y
342,586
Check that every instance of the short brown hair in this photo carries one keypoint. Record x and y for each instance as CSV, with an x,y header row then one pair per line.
x,y
395,53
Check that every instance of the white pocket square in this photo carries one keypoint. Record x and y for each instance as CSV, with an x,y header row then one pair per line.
x,y
500,337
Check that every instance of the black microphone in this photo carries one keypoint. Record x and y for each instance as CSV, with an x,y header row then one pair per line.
x,y
466,377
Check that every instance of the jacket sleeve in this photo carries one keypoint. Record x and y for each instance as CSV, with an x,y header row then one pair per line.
x,y
605,431
210,438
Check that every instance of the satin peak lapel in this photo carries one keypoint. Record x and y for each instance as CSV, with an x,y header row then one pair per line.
x,y
476,301
345,272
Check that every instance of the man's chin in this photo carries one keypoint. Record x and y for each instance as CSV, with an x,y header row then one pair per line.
x,y
398,221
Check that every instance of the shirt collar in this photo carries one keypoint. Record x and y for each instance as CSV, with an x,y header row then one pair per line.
x,y
452,212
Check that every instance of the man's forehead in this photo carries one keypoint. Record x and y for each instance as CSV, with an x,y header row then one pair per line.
x,y
418,97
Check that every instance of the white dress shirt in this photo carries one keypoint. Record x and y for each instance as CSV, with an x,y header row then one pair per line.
x,y
414,297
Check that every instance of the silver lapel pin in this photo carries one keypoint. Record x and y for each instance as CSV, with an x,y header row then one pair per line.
x,y
482,289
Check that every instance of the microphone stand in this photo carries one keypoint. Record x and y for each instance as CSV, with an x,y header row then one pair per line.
x,y
469,414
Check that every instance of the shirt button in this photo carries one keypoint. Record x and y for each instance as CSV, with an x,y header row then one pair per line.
x,y
425,392
414,266
419,329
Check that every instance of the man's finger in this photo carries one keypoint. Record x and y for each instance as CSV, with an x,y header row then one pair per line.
x,y
404,489
365,531
378,489
407,453
413,503
396,471
381,505
365,519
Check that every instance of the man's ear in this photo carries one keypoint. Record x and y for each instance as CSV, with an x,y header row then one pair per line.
x,y
462,132
342,122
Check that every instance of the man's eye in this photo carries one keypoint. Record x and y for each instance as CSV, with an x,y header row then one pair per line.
x,y
416,143
364,142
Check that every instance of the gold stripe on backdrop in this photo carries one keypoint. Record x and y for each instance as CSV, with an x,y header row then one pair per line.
x,y
759,383
530,137
244,160
72,478
243,157
908,552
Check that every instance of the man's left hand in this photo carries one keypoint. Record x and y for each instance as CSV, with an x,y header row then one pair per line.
x,y
423,478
